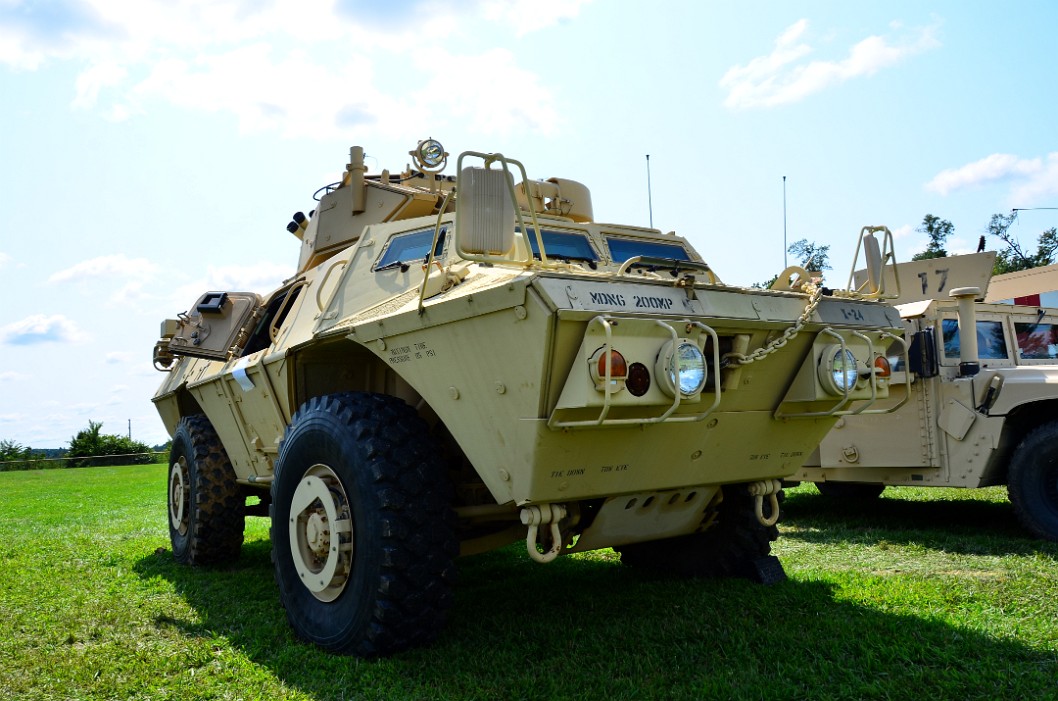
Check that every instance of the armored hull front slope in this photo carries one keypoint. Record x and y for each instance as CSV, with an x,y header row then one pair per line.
x,y
461,363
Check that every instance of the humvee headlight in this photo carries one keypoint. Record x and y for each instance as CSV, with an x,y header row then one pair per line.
x,y
681,366
618,369
837,370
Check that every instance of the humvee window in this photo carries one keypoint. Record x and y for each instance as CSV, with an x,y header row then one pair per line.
x,y
563,245
991,343
1037,341
622,249
409,247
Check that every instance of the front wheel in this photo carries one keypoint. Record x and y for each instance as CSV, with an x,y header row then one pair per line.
x,y
1032,483
851,491
206,505
363,539
735,545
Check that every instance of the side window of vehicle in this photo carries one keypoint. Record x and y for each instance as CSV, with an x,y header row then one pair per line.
x,y
1037,341
410,247
991,343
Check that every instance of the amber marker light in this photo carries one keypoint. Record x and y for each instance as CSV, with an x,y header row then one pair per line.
x,y
882,368
618,369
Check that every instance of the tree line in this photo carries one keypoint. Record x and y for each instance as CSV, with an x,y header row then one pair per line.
x,y
89,448
1011,258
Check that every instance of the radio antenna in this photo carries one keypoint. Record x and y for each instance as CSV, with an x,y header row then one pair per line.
x,y
785,258
650,201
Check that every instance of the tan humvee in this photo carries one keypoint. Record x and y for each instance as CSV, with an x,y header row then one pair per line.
x,y
983,407
460,364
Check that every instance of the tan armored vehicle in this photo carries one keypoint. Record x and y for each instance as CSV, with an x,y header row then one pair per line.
x,y
983,407
459,364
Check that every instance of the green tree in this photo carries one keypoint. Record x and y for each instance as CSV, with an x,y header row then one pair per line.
x,y
1014,257
812,256
938,230
91,447
13,456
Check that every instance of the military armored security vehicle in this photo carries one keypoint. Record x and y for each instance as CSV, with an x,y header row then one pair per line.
x,y
983,404
462,362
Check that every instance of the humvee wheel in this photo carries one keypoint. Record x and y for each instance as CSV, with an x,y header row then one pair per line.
x,y
1032,483
736,545
850,490
206,506
363,539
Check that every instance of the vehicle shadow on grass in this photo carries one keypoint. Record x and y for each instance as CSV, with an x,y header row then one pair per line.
x,y
958,525
589,628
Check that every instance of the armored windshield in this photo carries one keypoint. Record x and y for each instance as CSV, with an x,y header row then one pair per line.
x,y
621,249
563,245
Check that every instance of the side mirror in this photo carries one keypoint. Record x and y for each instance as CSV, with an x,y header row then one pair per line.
x,y
922,354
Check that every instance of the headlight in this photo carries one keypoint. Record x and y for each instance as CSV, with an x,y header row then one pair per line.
x,y
681,365
837,370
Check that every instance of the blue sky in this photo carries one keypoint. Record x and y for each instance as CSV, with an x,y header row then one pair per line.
x,y
150,151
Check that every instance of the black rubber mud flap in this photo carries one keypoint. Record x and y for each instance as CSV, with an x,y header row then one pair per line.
x,y
767,570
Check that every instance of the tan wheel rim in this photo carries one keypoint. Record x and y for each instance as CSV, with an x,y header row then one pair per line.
x,y
321,533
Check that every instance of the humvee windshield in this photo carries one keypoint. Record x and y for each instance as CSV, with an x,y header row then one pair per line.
x,y
621,249
991,343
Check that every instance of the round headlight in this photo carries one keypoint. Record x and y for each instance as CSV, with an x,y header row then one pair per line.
x,y
430,155
837,370
681,366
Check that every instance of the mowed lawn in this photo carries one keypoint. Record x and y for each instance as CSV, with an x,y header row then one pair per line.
x,y
922,594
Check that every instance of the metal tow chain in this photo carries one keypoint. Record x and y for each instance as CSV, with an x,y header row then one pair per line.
x,y
813,301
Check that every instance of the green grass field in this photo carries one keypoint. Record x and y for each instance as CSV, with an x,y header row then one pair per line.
x,y
924,594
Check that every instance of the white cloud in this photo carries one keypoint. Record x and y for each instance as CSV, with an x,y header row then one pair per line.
x,y
784,76
262,277
12,376
516,99
527,16
119,358
117,265
39,328
4,259
1031,180
247,59
904,231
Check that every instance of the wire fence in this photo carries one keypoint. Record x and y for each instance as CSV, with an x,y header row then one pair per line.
x,y
41,462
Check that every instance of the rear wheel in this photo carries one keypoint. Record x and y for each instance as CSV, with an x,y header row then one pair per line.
x,y
363,539
1032,483
850,490
735,545
206,505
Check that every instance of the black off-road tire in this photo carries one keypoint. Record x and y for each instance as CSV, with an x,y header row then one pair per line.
x,y
207,507
735,545
388,521
850,491
1032,483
